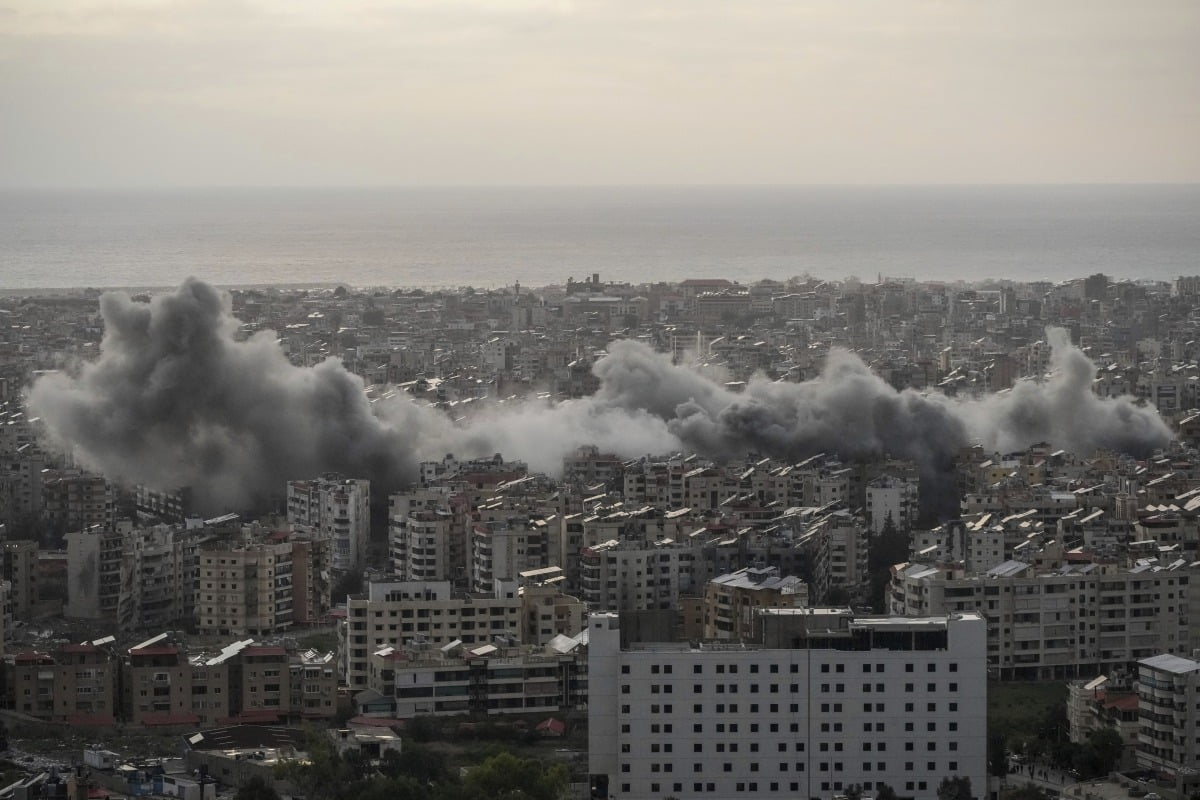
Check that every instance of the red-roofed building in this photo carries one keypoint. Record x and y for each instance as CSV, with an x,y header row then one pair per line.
x,y
158,682
76,682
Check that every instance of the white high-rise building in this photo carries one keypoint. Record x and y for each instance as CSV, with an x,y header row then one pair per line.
x,y
824,701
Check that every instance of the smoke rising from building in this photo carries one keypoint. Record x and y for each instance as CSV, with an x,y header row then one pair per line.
x,y
176,400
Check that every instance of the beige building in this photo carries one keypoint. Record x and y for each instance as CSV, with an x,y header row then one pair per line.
x,y
732,601
76,501
1058,622
158,683
399,613
244,589
479,679
75,684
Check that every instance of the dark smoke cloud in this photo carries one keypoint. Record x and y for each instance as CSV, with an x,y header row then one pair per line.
x,y
854,413
175,400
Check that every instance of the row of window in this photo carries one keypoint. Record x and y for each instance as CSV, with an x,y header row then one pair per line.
x,y
773,786
732,669
784,766
794,688
793,708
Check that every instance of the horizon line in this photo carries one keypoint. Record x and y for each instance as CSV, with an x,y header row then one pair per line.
x,y
133,187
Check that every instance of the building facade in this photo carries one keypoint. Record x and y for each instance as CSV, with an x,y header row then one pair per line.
x,y
825,701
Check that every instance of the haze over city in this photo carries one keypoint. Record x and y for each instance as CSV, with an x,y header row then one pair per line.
x,y
585,400
161,93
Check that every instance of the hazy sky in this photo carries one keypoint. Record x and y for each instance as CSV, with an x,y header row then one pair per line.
x,y
281,92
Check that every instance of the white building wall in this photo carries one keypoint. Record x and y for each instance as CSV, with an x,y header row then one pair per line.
x,y
732,722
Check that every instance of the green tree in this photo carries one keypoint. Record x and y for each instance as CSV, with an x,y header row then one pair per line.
x,y
997,754
884,791
957,787
888,547
1101,753
256,788
508,776
1026,792
417,762
853,792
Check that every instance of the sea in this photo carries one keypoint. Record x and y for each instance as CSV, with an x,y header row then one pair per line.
x,y
488,237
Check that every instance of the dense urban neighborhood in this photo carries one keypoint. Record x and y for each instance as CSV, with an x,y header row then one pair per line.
x,y
871,538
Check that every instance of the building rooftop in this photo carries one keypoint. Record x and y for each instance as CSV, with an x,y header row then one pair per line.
x,y
1169,663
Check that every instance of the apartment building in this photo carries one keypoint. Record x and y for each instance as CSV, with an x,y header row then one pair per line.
x,y
427,533
1168,688
18,566
400,613
244,588
75,500
823,701
157,683
281,685
338,507
75,684
1104,704
892,498
836,544
164,560
1060,622
6,613
481,679
311,578
101,581
632,576
732,601
502,549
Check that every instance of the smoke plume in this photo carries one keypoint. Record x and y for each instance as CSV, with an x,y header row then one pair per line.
x,y
175,400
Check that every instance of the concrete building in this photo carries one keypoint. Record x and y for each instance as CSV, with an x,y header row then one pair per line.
x,y
339,507
244,589
75,500
157,683
100,579
75,684
892,498
631,576
732,601
479,679
502,549
824,701
1058,623
404,613
1168,688
1104,704
19,567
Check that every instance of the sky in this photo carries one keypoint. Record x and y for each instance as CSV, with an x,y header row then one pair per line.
x,y
172,93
